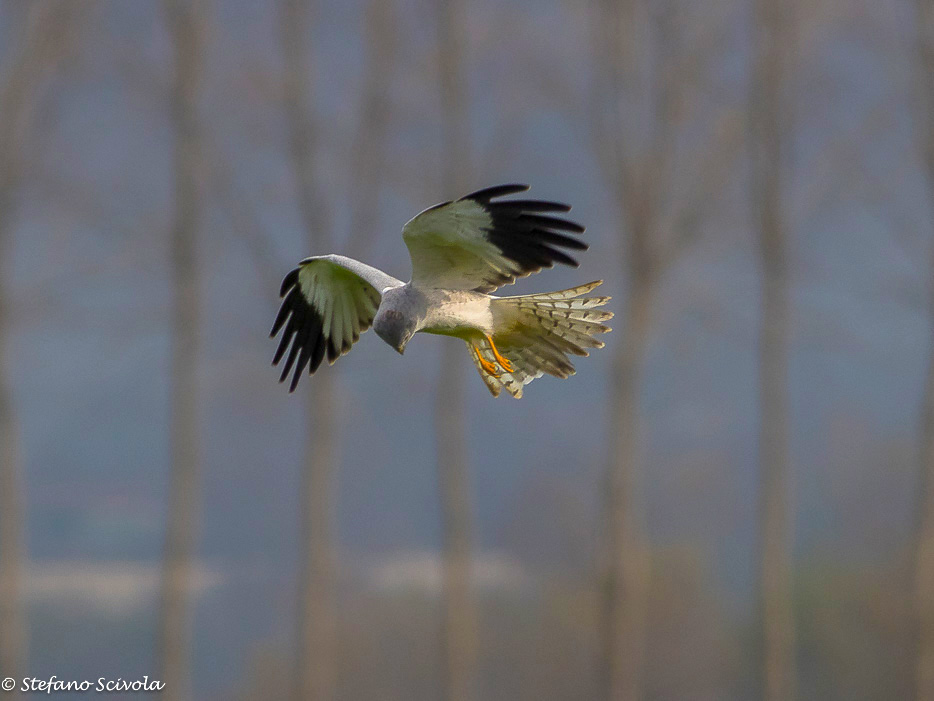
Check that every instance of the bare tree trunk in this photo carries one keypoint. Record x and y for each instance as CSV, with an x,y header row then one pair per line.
x,y
13,640
627,566
626,569
42,43
924,555
777,612
459,608
185,26
316,656
767,127
318,621
639,61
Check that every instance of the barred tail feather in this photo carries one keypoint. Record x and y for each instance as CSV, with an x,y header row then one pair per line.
x,y
536,334
560,294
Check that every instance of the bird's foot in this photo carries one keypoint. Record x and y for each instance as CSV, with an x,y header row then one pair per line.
x,y
488,366
503,362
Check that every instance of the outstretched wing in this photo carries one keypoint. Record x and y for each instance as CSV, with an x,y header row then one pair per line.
x,y
476,244
328,302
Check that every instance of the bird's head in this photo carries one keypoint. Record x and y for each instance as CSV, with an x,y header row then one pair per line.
x,y
394,328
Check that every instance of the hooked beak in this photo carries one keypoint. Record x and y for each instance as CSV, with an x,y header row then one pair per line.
x,y
400,349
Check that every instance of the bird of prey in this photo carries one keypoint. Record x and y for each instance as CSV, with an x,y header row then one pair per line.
x,y
461,251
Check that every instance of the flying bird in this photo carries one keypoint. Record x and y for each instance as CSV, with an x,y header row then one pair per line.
x,y
461,251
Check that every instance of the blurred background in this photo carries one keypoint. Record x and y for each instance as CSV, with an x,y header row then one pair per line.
x,y
730,501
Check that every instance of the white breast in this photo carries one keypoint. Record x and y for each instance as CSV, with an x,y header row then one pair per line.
x,y
457,313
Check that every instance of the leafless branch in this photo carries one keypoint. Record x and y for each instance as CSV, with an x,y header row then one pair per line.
x,y
303,129
369,155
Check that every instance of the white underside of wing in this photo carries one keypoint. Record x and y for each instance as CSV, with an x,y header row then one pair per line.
x,y
377,278
449,247
346,302
327,302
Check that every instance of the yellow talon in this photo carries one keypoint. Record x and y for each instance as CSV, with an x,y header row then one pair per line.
x,y
504,363
488,367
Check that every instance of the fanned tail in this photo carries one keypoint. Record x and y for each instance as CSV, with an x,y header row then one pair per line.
x,y
536,334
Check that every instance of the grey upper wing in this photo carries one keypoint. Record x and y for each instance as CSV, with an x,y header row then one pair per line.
x,y
328,301
475,243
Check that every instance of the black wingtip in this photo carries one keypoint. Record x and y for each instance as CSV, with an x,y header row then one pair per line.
x,y
554,223
528,233
562,257
530,206
489,193
285,311
304,342
289,281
